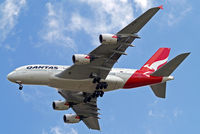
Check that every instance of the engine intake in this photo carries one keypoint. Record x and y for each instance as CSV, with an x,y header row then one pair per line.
x,y
71,118
108,38
80,59
60,105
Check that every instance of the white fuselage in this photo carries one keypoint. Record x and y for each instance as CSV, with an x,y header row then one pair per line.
x,y
46,75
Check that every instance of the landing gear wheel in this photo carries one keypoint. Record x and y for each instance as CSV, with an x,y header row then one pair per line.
x,y
87,99
105,85
94,95
101,93
98,86
94,80
97,93
20,87
98,79
101,86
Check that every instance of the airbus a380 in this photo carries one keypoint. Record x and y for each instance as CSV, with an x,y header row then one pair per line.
x,y
92,74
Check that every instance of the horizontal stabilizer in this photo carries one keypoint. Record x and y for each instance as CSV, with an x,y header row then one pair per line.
x,y
159,89
168,68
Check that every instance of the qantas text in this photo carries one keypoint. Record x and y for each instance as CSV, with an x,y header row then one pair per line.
x,y
41,67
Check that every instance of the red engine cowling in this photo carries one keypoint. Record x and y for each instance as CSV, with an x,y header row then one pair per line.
x,y
80,59
71,118
108,38
60,105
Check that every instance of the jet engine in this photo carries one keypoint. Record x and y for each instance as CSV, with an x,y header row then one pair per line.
x,y
60,105
80,59
108,38
71,118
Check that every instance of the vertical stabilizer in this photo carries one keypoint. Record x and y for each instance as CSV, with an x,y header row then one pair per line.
x,y
157,60
159,89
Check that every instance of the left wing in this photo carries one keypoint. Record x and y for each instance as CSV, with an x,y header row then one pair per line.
x,y
87,111
106,55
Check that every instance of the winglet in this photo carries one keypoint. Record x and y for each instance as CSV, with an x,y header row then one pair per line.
x,y
161,7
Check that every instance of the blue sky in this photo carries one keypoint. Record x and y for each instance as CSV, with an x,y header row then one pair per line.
x,y
50,32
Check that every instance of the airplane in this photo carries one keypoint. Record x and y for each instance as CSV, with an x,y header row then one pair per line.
x,y
93,74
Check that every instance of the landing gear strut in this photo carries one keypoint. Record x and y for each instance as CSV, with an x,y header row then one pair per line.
x,y
96,80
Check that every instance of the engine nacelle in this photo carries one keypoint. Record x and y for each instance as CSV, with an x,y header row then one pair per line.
x,y
108,38
80,59
71,118
60,105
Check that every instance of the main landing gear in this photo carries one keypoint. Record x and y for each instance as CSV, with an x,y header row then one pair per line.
x,y
99,89
20,85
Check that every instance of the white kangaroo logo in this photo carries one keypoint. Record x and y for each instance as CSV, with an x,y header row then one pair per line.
x,y
154,66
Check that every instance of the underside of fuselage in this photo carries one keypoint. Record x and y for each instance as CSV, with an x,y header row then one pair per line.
x,y
86,85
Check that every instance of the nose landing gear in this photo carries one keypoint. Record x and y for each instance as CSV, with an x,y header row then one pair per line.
x,y
20,85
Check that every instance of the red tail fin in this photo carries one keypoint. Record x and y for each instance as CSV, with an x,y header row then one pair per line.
x,y
157,60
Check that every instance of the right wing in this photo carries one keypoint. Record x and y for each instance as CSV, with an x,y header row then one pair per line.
x,y
88,111
107,55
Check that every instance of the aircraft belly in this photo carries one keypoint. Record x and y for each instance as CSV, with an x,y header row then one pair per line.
x,y
72,85
85,85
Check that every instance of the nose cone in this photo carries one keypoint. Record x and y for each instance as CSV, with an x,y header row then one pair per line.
x,y
10,77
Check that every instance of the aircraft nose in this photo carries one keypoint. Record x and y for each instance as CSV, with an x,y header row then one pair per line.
x,y
10,77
